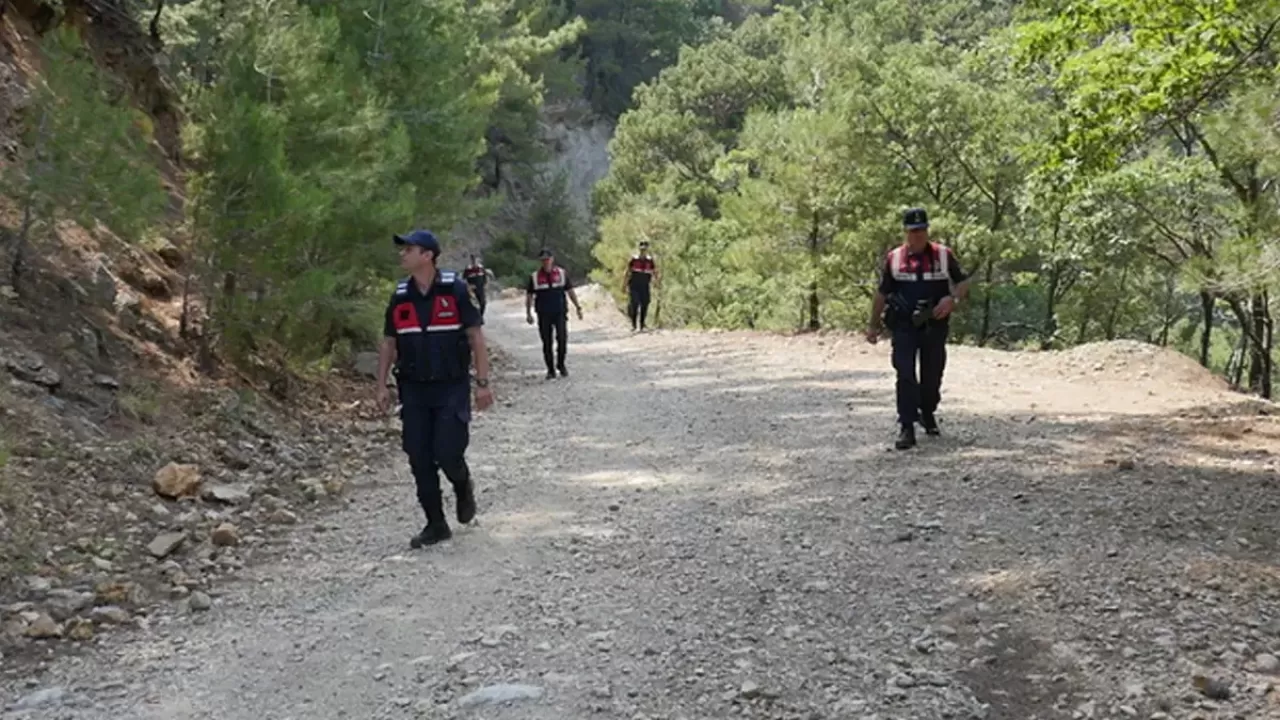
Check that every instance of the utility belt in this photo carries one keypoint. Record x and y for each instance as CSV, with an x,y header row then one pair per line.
x,y
434,360
900,314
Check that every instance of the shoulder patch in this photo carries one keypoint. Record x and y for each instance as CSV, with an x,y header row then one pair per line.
x,y
447,277
402,288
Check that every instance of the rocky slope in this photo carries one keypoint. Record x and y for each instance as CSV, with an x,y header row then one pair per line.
x,y
705,526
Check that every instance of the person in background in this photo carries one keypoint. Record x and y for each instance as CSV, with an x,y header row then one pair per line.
x,y
641,272
432,335
546,291
477,276
921,283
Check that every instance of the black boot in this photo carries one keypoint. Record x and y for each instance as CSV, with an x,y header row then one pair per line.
x,y
466,500
906,437
431,534
437,529
929,423
551,374
563,371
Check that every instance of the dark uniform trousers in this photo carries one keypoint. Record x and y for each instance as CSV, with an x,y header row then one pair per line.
x,y
929,344
435,438
479,291
557,323
638,305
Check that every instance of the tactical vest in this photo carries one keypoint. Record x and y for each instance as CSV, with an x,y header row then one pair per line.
x,y
431,347
939,257
643,265
554,280
642,269
922,281
549,290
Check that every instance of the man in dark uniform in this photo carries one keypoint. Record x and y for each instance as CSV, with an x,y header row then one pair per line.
x,y
915,300
546,291
477,275
432,333
641,270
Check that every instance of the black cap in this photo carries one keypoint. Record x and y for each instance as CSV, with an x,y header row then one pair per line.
x,y
644,243
915,219
422,238
546,253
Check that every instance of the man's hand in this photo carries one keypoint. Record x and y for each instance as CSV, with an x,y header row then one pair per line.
x,y
528,317
944,307
579,312
484,398
873,334
383,397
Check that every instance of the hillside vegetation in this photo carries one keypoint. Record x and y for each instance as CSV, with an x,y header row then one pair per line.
x,y
1106,170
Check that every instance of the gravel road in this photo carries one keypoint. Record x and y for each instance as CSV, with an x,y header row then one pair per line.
x,y
714,525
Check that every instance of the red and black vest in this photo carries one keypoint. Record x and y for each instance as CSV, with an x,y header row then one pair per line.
x,y
642,269
549,287
923,277
431,344
475,275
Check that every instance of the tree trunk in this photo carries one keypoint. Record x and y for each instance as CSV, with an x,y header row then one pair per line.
x,y
1167,325
184,321
1113,317
1206,335
1050,327
1260,346
985,333
155,21
813,306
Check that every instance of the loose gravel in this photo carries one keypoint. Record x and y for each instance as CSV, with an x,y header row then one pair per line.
x,y
715,525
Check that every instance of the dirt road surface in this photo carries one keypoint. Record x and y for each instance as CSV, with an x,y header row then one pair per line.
x,y
714,525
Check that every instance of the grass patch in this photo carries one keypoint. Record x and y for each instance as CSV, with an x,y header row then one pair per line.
x,y
141,402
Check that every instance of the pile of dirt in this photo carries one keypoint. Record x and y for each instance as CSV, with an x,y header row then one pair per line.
x,y
1127,361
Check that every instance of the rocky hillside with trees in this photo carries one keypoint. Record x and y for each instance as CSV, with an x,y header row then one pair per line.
x,y
198,195
198,199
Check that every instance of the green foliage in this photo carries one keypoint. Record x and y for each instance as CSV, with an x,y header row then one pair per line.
x,y
83,156
327,128
1102,168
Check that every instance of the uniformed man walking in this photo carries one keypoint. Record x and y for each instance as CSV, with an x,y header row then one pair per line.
x,y
641,272
545,292
477,276
432,334
920,284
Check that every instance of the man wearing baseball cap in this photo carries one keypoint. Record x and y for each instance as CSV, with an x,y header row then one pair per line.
x,y
641,270
432,334
545,292
920,283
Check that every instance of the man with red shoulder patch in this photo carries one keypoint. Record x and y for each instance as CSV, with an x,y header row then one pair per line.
x,y
432,334
920,283
546,291
642,271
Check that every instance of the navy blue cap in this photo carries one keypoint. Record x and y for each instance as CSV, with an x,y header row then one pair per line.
x,y
915,219
546,253
421,238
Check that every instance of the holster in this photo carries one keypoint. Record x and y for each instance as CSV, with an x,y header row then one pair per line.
x,y
900,314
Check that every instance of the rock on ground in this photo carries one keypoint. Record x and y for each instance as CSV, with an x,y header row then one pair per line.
x,y
713,526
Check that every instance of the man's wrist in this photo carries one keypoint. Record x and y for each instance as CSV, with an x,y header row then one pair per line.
x,y
482,382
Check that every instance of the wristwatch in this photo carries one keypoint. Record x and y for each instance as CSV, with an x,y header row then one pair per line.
x,y
482,382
